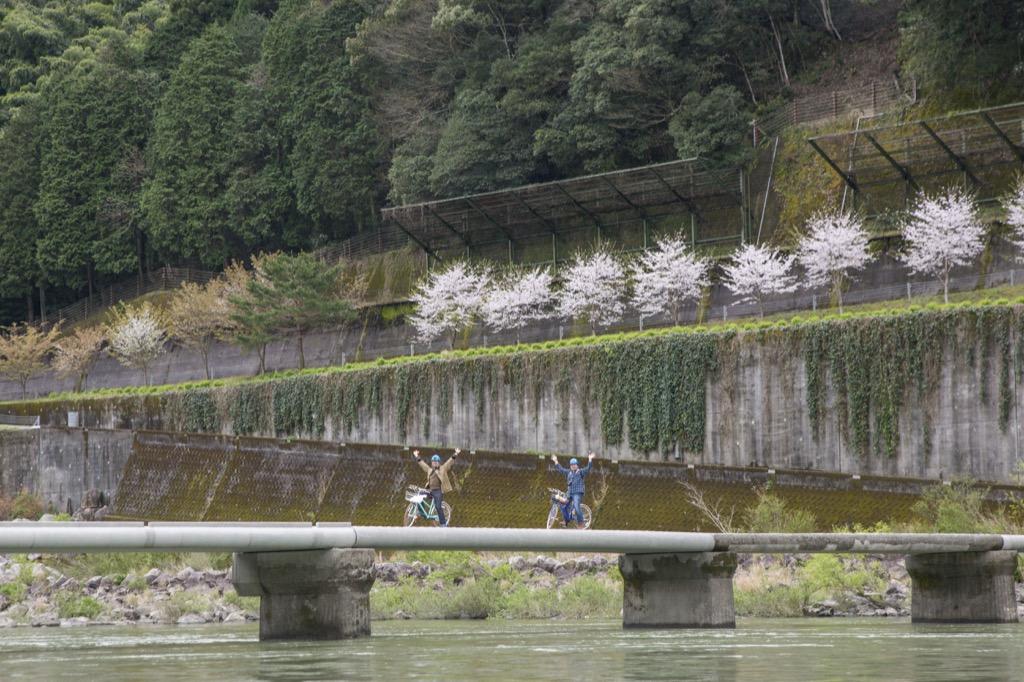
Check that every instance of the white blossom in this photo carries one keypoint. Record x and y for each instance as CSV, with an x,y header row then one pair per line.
x,y
758,271
1014,206
666,278
942,233
448,301
136,337
517,299
593,290
835,244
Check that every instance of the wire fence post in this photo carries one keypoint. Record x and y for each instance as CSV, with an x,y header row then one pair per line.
x,y
725,313
814,301
908,291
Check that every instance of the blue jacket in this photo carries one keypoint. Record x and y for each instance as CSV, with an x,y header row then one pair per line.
x,y
574,479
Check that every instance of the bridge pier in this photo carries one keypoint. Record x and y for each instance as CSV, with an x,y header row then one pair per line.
x,y
313,594
692,590
963,587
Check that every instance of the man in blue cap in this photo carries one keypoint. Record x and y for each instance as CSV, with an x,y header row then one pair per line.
x,y
574,482
437,480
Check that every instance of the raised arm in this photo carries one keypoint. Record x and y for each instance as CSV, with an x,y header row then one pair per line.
x,y
561,469
423,465
590,464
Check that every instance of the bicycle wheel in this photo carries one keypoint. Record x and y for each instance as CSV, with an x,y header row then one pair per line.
x,y
555,518
411,512
588,516
447,515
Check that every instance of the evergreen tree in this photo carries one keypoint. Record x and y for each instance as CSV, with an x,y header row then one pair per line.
x,y
187,203
19,187
292,296
336,151
99,121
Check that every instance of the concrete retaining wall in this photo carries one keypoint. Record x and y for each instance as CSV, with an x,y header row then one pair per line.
x,y
59,464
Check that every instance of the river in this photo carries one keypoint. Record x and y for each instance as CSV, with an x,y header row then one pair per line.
x,y
758,649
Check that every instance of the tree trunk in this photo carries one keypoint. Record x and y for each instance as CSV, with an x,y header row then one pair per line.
x,y
783,72
302,354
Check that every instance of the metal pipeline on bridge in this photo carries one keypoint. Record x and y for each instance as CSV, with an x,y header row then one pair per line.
x,y
533,539
97,537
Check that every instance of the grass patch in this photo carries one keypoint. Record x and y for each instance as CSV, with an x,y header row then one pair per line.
x,y
251,604
184,603
501,592
84,566
77,606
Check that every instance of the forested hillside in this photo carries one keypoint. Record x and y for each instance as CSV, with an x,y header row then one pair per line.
x,y
193,132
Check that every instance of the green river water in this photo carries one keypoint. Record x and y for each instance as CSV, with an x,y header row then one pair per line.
x,y
758,649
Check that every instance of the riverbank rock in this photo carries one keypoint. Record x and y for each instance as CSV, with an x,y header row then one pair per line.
x,y
41,596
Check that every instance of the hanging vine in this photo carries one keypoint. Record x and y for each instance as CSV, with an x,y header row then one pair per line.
x,y
299,407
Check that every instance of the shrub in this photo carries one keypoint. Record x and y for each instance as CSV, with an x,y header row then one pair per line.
x,y
245,603
14,590
26,506
76,606
771,515
771,601
185,603
953,508
841,577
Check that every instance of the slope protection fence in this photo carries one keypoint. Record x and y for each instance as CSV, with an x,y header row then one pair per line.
x,y
868,100
163,279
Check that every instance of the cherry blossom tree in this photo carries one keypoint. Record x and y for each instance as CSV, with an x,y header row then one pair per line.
x,y
835,244
136,336
23,351
1013,203
448,301
518,298
666,278
76,354
593,289
758,271
196,315
942,233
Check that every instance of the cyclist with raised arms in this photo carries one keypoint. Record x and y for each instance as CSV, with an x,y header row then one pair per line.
x,y
574,482
437,480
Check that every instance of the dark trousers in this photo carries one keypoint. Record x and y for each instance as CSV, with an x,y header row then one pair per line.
x,y
436,494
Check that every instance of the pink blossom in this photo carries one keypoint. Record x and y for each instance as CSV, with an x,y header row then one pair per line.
x,y
758,271
1014,206
835,244
448,301
517,299
667,277
593,289
942,233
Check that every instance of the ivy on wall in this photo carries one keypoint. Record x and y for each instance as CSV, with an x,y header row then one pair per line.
x,y
649,391
200,411
249,409
875,364
299,407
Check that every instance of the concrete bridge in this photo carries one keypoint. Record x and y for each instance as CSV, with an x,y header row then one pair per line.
x,y
314,580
